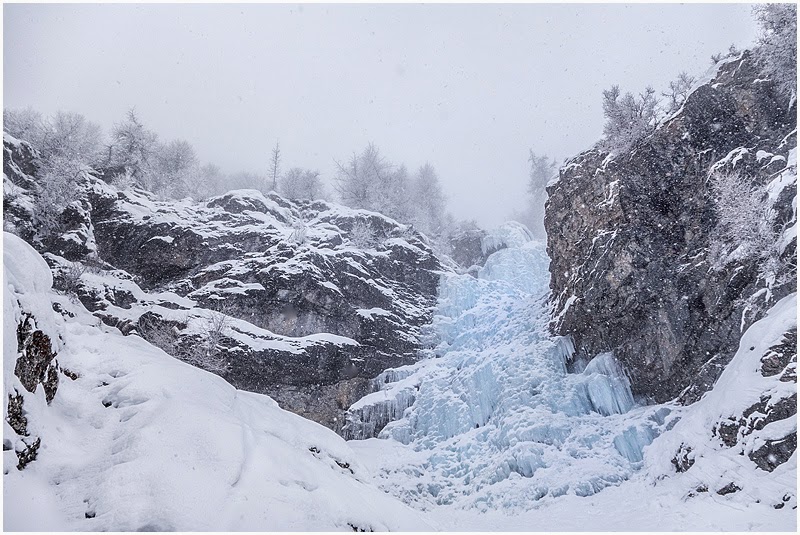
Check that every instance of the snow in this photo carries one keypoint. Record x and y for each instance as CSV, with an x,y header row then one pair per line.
x,y
142,441
496,421
165,239
510,234
496,434
368,313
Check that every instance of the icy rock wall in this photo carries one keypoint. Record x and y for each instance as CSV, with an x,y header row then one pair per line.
x,y
497,419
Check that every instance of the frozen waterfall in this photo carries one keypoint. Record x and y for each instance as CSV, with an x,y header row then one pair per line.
x,y
497,407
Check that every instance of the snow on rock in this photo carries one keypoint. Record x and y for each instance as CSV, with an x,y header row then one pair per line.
x,y
740,439
135,261
137,440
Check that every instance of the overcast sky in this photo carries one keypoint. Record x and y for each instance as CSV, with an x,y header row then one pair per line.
x,y
469,88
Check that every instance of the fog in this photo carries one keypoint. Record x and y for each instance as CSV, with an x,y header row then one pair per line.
x,y
468,88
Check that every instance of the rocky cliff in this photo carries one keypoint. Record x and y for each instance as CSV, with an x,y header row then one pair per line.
x,y
639,264
303,301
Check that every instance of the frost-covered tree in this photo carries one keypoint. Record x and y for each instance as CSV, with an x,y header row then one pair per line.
x,y
299,183
26,124
733,52
70,136
428,202
174,168
206,182
628,117
359,180
393,194
133,149
362,235
678,91
68,146
542,170
777,44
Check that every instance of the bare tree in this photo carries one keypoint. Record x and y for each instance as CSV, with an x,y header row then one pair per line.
x,y
275,165
359,180
678,91
206,182
244,180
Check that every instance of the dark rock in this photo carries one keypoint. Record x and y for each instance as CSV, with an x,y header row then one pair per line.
x,y
774,452
728,432
241,253
778,357
15,417
683,459
466,247
35,363
730,488
29,453
629,236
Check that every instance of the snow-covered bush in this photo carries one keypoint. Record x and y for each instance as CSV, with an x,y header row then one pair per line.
x,y
298,234
207,355
777,50
58,187
210,356
363,235
161,334
628,118
745,226
71,277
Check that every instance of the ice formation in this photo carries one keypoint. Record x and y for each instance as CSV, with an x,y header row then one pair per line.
x,y
496,420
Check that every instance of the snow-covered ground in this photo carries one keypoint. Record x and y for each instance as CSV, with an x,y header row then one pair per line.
x,y
142,441
497,433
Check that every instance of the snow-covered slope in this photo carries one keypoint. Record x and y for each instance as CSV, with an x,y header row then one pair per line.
x,y
499,424
137,440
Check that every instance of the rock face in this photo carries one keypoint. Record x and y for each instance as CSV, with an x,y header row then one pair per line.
x,y
317,298
629,236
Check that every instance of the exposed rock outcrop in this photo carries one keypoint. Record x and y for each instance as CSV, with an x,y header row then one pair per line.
x,y
313,312
629,236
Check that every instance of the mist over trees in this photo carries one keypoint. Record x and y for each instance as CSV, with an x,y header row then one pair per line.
x,y
542,170
370,181
133,156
